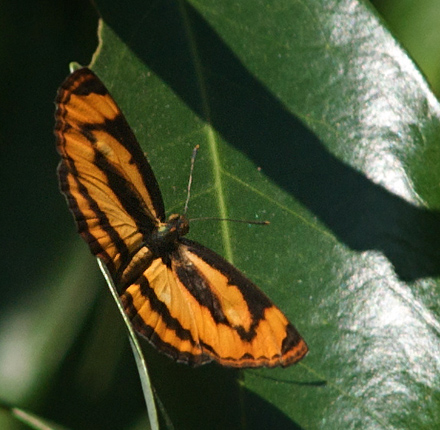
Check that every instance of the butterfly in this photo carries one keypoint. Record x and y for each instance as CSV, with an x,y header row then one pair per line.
x,y
189,302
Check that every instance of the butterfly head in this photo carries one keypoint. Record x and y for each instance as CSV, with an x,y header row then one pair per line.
x,y
177,226
165,238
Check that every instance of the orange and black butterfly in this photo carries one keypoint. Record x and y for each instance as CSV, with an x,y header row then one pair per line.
x,y
185,299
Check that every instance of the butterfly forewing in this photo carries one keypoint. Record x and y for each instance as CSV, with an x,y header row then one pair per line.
x,y
108,183
185,299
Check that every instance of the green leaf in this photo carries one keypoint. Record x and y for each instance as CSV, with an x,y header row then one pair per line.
x,y
309,115
406,18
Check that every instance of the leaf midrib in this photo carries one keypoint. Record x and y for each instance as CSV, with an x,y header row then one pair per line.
x,y
210,134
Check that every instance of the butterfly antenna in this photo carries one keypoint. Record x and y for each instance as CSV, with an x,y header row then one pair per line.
x,y
244,221
188,194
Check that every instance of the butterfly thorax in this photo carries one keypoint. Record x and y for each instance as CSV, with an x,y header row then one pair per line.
x,y
165,238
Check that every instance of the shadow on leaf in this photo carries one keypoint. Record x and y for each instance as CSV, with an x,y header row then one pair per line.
x,y
363,215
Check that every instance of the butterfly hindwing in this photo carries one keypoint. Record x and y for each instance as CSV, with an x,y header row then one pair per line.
x,y
200,308
184,298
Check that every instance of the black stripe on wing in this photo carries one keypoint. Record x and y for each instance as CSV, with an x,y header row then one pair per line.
x,y
150,332
81,222
91,85
126,193
199,287
119,129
